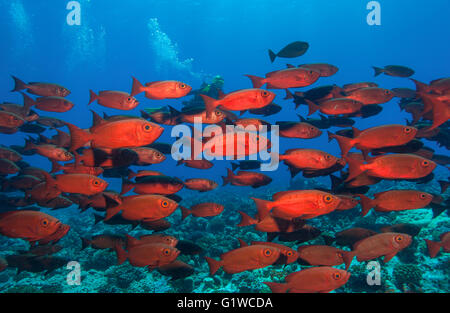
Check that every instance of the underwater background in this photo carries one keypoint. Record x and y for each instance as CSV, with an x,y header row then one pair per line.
x,y
193,41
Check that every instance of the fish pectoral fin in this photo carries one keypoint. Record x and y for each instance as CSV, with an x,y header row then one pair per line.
x,y
389,256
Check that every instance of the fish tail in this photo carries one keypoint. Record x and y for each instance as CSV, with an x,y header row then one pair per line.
x,y
433,247
366,204
335,182
263,207
234,166
277,287
257,82
348,256
49,180
185,212
18,84
92,96
56,167
355,168
444,185
85,243
246,220
97,219
29,145
137,87
227,179
377,70
345,143
28,102
122,255
214,265
210,104
312,107
289,95
131,174
78,137
126,186
272,55
112,208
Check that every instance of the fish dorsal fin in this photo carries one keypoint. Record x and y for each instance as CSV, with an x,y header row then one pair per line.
x,y
242,243
356,132
132,242
97,120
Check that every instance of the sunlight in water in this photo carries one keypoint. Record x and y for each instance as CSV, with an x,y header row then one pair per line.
x,y
166,52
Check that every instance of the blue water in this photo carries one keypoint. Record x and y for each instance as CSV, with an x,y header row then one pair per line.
x,y
193,41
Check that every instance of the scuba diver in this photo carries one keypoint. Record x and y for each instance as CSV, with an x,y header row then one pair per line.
x,y
213,90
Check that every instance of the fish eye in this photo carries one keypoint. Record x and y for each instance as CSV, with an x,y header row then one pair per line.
x,y
423,196
164,204
289,253
407,130
96,182
267,252
158,155
265,93
166,252
398,238
182,86
218,113
44,222
311,128
425,163
339,255
310,72
387,92
147,127
337,276
128,99
327,198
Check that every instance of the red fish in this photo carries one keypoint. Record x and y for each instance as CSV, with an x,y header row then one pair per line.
x,y
114,99
303,204
384,244
395,200
49,151
434,247
84,184
204,209
162,185
198,164
293,77
133,132
143,208
240,100
166,89
103,242
392,166
153,238
290,254
335,106
200,184
33,226
321,255
324,69
244,259
316,279
307,159
246,178
298,130
41,89
146,255
53,104
376,137
370,95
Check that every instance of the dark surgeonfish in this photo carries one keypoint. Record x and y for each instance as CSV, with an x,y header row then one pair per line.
x,y
292,50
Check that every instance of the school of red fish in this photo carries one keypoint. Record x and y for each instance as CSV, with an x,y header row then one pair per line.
x,y
113,143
